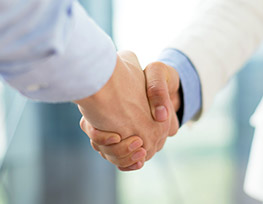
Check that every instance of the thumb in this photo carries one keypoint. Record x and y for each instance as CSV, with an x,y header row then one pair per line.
x,y
157,90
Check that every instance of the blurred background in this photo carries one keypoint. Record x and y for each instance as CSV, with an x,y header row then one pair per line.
x,y
46,159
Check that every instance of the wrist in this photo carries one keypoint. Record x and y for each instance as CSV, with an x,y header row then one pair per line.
x,y
106,90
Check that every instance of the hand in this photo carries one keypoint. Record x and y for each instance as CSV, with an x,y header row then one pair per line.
x,y
121,106
159,76
125,154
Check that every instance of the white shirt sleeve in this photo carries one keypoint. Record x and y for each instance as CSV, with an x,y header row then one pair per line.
x,y
219,40
52,50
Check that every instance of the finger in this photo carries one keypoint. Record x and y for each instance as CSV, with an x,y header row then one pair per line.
x,y
150,154
161,144
102,155
176,101
124,148
174,126
157,90
94,146
129,160
174,123
138,165
97,136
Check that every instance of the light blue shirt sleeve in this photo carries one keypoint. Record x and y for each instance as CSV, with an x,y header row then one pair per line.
x,y
51,50
190,81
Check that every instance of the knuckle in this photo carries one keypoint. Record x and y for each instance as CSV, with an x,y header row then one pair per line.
x,y
101,140
124,163
92,135
174,128
102,155
121,153
150,154
118,153
94,146
150,145
97,137
155,66
156,89
173,132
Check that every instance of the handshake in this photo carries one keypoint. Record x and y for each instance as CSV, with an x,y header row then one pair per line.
x,y
130,118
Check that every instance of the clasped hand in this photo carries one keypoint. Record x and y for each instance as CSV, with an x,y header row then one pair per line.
x,y
130,118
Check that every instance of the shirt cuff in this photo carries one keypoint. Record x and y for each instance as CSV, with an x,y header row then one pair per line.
x,y
80,70
190,81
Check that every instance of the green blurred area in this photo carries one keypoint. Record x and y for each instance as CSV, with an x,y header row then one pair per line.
x,y
206,161
3,193
197,180
196,166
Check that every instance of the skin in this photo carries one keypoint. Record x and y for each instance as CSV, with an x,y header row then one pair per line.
x,y
129,151
119,119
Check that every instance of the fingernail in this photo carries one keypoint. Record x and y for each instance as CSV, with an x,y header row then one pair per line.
x,y
136,166
135,145
161,113
112,140
138,155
